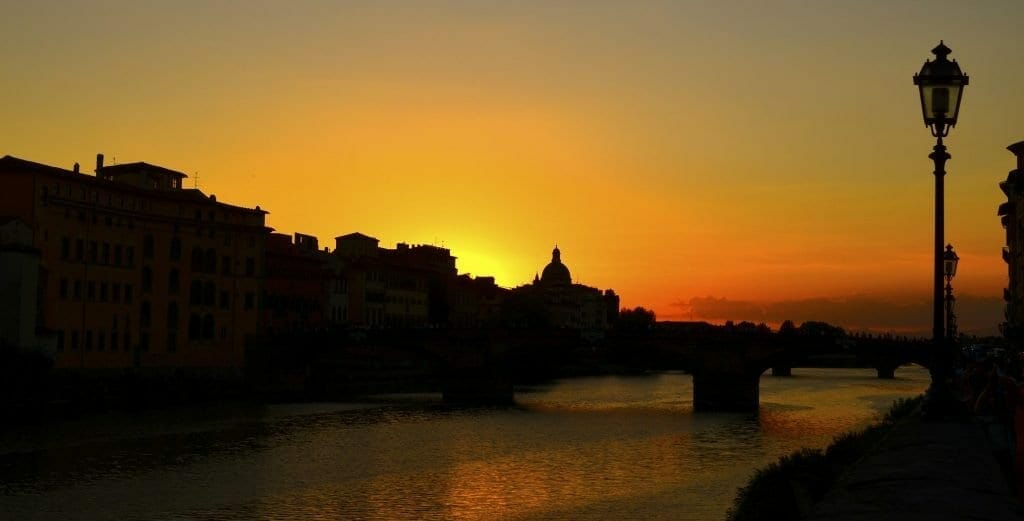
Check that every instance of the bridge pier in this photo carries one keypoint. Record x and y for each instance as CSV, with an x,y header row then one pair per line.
x,y
886,372
726,391
478,390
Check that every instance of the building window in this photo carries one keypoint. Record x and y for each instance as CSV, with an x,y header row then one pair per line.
x,y
175,249
147,279
209,294
74,340
194,326
93,247
172,341
197,260
195,293
127,340
91,291
101,340
210,261
103,292
250,267
224,302
65,248
145,317
248,301
88,340
64,288
105,253
147,246
115,292
173,282
130,255
60,340
118,254
225,265
128,294
143,342
172,315
79,249
208,327
113,341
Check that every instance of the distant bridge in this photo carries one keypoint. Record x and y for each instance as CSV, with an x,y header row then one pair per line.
x,y
727,365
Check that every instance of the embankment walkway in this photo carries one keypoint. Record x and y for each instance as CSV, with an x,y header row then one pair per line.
x,y
925,470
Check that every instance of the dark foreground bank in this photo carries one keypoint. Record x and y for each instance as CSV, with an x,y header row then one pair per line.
x,y
902,468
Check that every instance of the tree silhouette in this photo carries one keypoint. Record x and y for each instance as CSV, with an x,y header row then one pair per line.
x,y
635,320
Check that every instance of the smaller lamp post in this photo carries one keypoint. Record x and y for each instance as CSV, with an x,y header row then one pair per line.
x,y
949,263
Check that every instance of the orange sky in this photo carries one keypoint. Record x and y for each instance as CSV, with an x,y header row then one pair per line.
x,y
747,151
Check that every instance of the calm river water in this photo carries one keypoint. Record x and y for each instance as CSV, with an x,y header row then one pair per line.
x,y
586,448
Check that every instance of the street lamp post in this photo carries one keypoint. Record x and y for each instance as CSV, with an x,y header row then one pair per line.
x,y
941,86
949,262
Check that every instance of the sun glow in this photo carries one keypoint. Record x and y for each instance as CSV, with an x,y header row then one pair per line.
x,y
630,136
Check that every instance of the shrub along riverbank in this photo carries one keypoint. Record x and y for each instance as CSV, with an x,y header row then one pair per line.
x,y
787,489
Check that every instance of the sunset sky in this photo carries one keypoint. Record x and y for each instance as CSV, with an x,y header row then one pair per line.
x,y
752,160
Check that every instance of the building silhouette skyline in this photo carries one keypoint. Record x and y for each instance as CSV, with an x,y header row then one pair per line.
x,y
129,268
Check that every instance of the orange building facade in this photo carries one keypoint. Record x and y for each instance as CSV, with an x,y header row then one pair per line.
x,y
295,285
134,269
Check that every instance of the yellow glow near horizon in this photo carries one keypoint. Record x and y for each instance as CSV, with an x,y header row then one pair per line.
x,y
672,150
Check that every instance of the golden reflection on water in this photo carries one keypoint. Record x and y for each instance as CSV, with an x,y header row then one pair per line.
x,y
590,448
564,479
499,489
801,408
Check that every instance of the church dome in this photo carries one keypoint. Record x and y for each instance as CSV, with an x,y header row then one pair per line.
x,y
556,272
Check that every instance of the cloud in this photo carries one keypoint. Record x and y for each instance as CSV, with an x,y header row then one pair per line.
x,y
912,316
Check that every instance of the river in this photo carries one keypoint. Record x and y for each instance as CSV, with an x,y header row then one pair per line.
x,y
597,448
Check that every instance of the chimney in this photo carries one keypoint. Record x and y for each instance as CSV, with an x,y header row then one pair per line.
x,y
99,162
76,168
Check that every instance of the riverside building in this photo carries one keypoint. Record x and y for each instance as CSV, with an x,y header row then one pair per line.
x,y
1011,215
570,305
405,287
134,269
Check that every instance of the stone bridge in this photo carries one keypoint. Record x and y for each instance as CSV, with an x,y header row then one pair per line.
x,y
727,367
726,363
